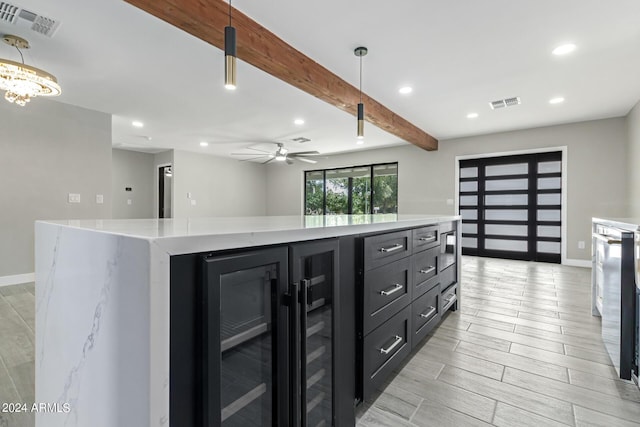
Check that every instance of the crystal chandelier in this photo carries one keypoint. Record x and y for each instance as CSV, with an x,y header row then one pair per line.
x,y
23,82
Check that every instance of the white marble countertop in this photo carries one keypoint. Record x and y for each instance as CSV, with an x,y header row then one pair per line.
x,y
179,236
626,224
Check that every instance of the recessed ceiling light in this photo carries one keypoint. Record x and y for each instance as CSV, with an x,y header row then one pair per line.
x,y
472,115
405,90
137,124
204,144
558,100
298,122
564,49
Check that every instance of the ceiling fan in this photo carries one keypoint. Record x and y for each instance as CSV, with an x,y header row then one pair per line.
x,y
281,155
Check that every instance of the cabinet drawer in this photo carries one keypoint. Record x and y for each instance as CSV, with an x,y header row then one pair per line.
x,y
425,238
384,349
448,276
425,269
425,315
385,248
387,290
449,298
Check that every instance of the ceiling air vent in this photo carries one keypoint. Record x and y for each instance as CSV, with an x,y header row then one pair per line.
x,y
12,14
301,139
507,102
8,12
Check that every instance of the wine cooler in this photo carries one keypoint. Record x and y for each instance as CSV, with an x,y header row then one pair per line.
x,y
268,338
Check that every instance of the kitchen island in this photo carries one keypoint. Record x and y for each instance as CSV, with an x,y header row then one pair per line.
x,y
121,304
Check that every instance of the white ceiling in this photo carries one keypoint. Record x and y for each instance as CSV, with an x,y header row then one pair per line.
x,y
458,56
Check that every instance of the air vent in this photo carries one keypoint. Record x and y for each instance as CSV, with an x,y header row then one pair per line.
x,y
8,12
507,102
301,139
12,14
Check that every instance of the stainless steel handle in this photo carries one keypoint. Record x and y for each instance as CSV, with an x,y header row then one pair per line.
x,y
394,345
428,239
429,314
393,248
607,239
395,288
450,297
428,270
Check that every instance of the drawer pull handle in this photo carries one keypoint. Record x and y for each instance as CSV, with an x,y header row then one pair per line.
x,y
395,288
429,314
396,343
393,248
428,239
430,269
449,298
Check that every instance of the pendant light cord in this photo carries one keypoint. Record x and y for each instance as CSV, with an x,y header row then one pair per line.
x,y
20,52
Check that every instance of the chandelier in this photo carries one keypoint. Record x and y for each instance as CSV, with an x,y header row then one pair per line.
x,y
23,82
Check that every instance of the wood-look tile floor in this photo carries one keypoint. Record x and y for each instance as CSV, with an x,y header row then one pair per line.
x,y
523,350
17,352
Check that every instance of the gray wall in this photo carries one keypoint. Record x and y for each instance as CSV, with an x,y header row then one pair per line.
x,y
163,158
596,177
633,159
47,150
134,170
219,186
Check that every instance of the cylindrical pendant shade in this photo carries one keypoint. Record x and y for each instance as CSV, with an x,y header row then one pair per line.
x,y
230,57
360,120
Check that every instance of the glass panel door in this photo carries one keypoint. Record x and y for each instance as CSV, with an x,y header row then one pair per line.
x,y
314,267
241,324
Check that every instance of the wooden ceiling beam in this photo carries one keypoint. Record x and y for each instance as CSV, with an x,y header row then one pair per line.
x,y
206,19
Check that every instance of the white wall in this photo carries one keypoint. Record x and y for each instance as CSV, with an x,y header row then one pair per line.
x,y
132,169
596,173
219,186
633,159
48,150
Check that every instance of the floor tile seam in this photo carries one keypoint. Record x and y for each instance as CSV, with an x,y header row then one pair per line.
x,y
21,318
13,383
554,396
536,414
602,366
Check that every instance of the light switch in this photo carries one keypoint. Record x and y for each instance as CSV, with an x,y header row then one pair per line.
x,y
188,195
129,201
99,199
581,244
74,198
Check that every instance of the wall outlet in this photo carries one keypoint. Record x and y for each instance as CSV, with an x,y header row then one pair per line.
x,y
193,202
449,202
581,244
99,199
129,201
74,198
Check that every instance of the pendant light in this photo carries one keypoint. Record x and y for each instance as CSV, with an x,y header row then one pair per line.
x,y
230,55
360,52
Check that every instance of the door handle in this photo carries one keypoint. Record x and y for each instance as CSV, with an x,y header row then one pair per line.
x,y
396,343
393,248
429,313
430,269
428,239
392,290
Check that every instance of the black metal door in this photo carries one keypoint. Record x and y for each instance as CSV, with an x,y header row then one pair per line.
x,y
245,334
511,206
314,287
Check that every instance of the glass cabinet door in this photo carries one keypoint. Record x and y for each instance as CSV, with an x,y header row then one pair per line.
x,y
314,268
241,334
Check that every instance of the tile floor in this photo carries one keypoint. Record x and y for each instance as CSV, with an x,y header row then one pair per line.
x,y
524,350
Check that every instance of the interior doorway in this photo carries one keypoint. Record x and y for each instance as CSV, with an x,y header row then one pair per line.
x,y
165,176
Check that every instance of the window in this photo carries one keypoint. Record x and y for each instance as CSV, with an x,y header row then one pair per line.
x,y
347,191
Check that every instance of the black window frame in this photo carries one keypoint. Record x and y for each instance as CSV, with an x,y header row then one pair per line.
x,y
350,198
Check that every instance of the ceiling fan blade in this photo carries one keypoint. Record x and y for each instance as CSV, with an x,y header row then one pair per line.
x,y
302,159
253,158
270,160
304,153
248,154
255,149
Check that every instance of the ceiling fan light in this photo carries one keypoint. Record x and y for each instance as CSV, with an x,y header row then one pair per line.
x,y
281,157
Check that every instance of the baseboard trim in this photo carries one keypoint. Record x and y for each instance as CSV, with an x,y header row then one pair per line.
x,y
577,263
17,279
